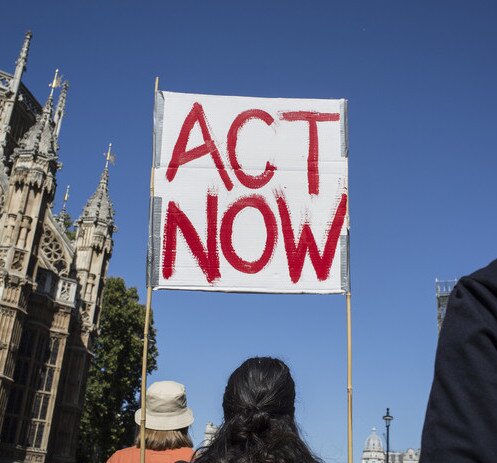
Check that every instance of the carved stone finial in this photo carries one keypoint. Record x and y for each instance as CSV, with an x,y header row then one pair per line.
x,y
63,217
59,110
55,82
109,157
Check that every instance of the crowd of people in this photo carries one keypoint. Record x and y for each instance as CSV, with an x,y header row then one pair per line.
x,y
259,400
259,421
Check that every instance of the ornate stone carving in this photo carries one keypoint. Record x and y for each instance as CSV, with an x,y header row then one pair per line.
x,y
7,312
52,250
18,260
34,458
66,292
3,256
85,313
28,101
11,294
4,81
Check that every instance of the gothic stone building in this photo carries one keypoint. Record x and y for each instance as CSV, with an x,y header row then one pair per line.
x,y
50,285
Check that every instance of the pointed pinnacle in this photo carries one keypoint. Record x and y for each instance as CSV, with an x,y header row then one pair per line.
x,y
59,110
23,55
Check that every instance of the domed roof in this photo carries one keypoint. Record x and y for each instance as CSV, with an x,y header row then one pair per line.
x,y
373,442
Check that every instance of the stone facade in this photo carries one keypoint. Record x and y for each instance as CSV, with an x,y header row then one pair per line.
x,y
50,285
210,432
373,452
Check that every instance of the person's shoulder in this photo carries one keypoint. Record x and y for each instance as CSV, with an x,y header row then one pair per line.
x,y
479,284
183,454
122,455
486,275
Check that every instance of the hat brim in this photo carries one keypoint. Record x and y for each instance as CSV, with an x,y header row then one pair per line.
x,y
165,422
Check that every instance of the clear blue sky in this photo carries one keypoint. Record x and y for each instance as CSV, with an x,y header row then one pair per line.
x,y
421,80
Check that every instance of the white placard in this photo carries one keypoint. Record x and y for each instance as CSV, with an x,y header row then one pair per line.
x,y
250,194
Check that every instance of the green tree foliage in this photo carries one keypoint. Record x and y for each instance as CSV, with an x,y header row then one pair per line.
x,y
112,393
68,224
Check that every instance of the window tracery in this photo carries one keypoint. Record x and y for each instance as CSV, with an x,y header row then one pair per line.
x,y
53,251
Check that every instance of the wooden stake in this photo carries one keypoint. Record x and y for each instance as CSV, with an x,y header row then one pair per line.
x,y
148,309
349,378
144,374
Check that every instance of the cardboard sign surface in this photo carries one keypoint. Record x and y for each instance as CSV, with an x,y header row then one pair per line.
x,y
250,194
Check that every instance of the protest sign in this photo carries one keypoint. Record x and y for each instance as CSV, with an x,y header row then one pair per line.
x,y
250,194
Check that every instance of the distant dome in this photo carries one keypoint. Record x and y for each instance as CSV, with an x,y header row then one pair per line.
x,y
373,442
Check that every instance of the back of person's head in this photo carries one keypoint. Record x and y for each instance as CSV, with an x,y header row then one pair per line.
x,y
167,417
259,418
258,390
165,440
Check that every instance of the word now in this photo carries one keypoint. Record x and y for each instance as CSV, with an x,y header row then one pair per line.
x,y
207,256
181,155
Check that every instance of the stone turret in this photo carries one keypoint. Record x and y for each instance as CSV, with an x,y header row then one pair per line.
x,y
94,245
99,207
31,188
93,249
31,184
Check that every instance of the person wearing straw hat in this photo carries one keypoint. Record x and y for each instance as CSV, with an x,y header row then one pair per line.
x,y
166,434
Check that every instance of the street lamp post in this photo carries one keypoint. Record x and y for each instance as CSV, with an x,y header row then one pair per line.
x,y
388,418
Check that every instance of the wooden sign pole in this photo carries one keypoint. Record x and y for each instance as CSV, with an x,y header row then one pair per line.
x,y
349,378
148,309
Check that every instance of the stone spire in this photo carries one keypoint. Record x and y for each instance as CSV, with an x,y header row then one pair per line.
x,y
12,95
21,63
99,207
59,110
40,137
63,217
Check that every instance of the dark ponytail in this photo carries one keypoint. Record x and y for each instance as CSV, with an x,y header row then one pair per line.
x,y
259,418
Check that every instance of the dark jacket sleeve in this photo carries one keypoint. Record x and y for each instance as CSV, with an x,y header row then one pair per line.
x,y
461,419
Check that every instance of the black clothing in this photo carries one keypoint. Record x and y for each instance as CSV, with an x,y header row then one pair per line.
x,y
461,419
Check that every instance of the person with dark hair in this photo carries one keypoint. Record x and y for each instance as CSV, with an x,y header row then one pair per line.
x,y
259,418
166,427
461,418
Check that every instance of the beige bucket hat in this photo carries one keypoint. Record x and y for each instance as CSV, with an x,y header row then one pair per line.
x,y
166,407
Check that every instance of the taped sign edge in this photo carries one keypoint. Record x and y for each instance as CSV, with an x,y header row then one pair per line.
x,y
158,124
155,241
344,133
344,263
